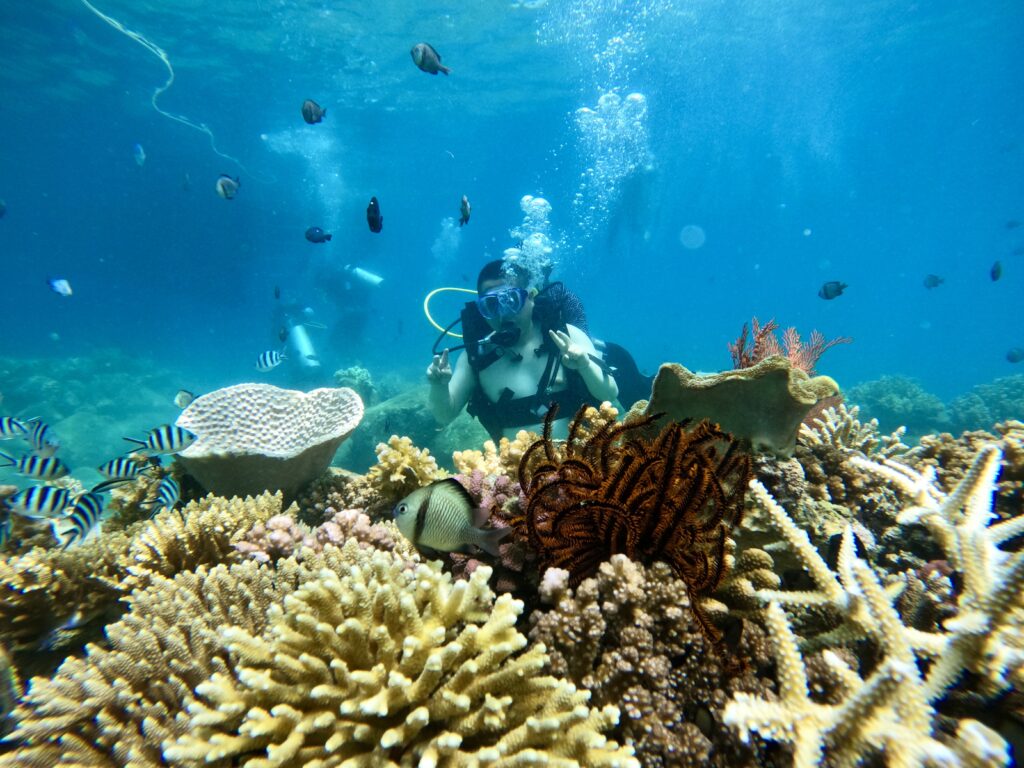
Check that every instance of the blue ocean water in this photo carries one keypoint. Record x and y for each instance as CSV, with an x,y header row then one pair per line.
x,y
704,163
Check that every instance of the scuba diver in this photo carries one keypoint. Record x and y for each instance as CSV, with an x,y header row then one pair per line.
x,y
525,349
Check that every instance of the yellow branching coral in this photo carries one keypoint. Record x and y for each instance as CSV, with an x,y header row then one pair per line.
x,y
501,459
401,468
378,665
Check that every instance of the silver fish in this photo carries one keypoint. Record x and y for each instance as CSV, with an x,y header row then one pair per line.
x,y
37,467
164,439
269,360
40,502
443,517
81,522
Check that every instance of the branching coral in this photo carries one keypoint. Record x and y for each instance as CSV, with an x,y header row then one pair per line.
x,y
401,468
502,459
838,429
673,499
890,709
627,635
347,658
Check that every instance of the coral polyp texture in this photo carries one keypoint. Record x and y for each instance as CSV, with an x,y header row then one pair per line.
x,y
674,499
253,438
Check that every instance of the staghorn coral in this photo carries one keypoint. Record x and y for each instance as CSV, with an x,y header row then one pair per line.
x,y
890,709
673,499
401,468
838,430
627,635
375,665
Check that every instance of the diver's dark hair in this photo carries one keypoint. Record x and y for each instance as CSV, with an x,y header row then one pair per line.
x,y
492,270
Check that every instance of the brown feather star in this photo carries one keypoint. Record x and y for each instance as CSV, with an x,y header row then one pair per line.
x,y
674,498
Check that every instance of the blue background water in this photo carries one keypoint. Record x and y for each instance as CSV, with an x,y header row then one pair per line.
x,y
871,143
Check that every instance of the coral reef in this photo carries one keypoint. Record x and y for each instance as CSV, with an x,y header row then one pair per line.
x,y
253,438
502,459
672,499
359,379
985,404
401,468
766,344
889,707
348,657
899,401
764,404
628,636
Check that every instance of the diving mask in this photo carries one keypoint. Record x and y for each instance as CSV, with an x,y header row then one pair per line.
x,y
501,303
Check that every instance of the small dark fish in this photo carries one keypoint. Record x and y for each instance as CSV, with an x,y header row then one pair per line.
x,y
183,398
227,187
312,112
933,281
164,439
996,272
427,59
387,425
317,235
464,210
1012,224
1015,355
832,289
373,217
3,208
277,291
282,334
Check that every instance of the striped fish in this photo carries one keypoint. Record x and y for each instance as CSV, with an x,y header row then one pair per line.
x,y
119,471
81,522
41,438
10,427
167,496
37,467
41,502
164,439
269,360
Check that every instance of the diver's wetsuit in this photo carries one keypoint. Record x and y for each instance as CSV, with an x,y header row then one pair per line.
x,y
509,411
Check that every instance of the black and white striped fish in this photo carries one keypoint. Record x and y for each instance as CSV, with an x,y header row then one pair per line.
x,y
269,360
11,427
119,471
81,521
41,502
37,467
167,496
164,439
41,438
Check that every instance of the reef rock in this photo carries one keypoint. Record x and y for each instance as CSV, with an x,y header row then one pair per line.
x,y
257,437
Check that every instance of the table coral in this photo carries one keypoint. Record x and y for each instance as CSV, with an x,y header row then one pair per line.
x,y
628,635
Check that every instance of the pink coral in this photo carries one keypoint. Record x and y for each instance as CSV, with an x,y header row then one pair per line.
x,y
284,536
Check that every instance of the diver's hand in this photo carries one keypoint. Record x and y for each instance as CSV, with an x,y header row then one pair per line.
x,y
440,370
574,356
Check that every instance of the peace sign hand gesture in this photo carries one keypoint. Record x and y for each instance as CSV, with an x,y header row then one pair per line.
x,y
574,356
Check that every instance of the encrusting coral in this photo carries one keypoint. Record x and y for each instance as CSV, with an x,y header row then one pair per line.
x,y
674,499
890,710
628,636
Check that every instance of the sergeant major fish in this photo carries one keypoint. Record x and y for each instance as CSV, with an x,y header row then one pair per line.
x,y
118,472
164,439
11,428
40,438
37,467
81,522
167,496
269,360
442,517
427,59
40,502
